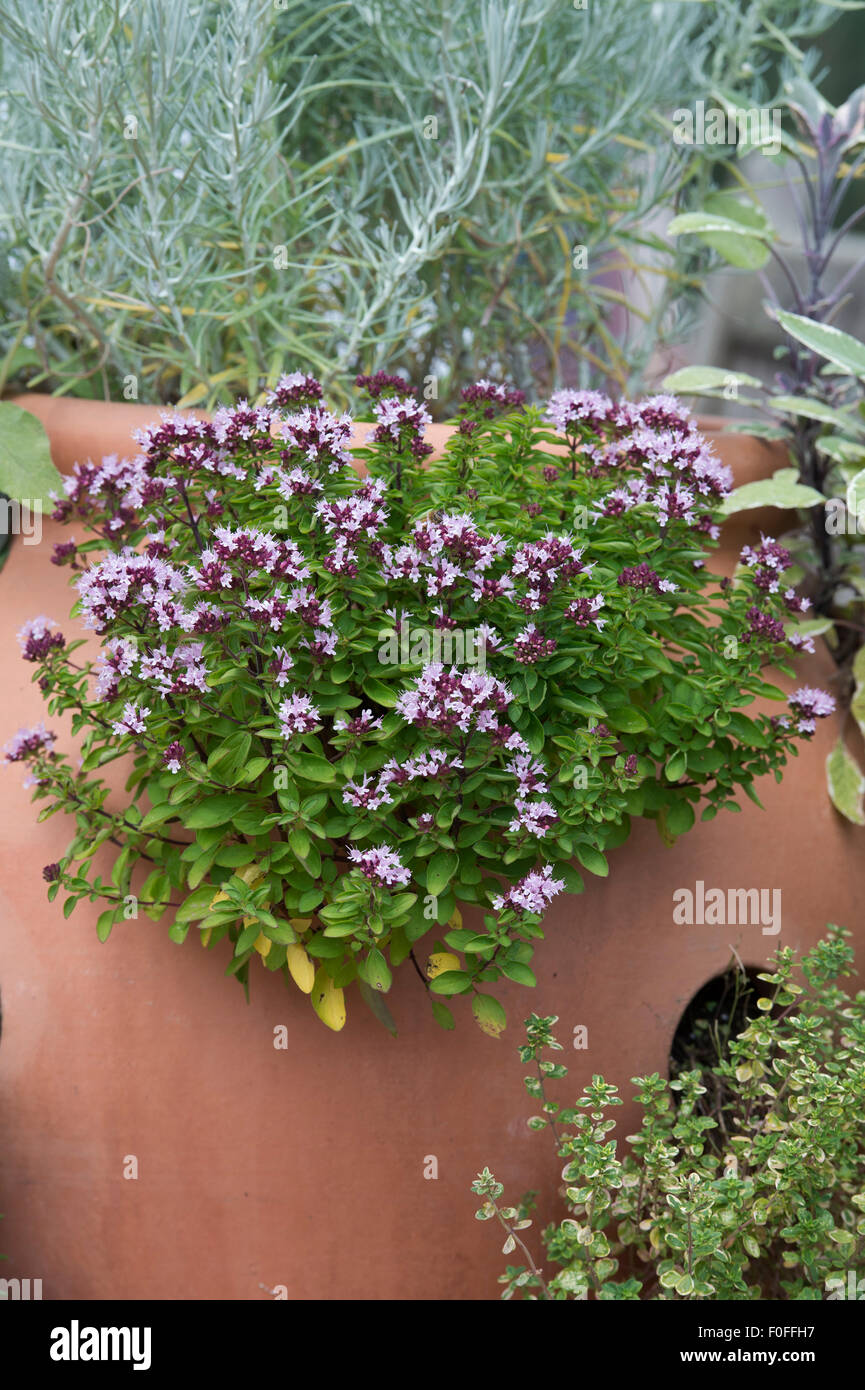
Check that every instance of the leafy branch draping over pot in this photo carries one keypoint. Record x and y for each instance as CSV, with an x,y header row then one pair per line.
x,y
352,704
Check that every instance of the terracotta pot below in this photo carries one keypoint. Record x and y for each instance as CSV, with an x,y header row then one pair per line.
x,y
304,1167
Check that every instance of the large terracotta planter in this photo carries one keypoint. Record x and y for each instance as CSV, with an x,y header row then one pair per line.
x,y
304,1167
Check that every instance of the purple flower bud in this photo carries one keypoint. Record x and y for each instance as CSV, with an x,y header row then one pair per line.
x,y
63,551
174,756
36,639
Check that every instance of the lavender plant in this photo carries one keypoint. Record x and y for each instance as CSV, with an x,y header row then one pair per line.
x,y
195,195
746,1178
348,706
817,401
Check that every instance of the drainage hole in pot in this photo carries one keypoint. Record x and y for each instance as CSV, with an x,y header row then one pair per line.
x,y
720,1010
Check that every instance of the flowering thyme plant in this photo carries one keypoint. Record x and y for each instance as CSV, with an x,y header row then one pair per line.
x,y
350,704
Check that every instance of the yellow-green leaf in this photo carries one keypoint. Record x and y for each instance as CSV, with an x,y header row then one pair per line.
x,y
441,961
846,784
489,1015
857,704
328,1001
300,968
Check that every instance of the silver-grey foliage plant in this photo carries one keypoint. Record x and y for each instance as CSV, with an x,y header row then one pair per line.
x,y
194,196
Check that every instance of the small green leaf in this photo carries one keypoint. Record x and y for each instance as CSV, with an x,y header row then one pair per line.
x,y
699,381
740,245
519,973
197,904
840,348
381,693
451,982
311,767
376,971
680,817
778,491
627,720
105,923
440,871
373,999
27,473
812,409
676,766
442,1015
593,860
856,495
216,810
300,842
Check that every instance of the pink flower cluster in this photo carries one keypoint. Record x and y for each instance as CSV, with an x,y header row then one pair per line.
x,y
359,725
119,583
381,383
178,672
295,388
585,610
352,521
117,659
492,396
541,565
531,644
184,441
809,705
454,701
571,411
120,485
297,715
642,577
242,425
27,742
533,894
36,639
402,421
444,550
174,756
234,556
677,476
763,627
530,774
434,763
533,818
280,664
380,865
315,436
767,562
133,720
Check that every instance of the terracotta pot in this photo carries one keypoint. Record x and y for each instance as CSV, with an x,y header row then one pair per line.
x,y
91,429
304,1167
